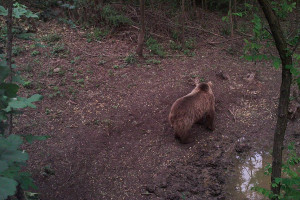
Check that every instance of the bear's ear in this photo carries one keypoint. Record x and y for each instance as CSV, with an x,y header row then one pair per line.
x,y
210,84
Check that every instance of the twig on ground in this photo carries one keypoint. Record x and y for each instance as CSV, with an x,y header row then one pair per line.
x,y
233,114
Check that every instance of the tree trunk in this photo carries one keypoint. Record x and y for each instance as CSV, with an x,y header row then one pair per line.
x,y
195,9
139,49
230,18
9,22
182,22
234,17
286,59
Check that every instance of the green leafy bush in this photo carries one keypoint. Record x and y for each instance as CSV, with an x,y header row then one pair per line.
x,y
175,46
113,18
51,38
155,47
17,50
11,160
97,34
58,49
190,43
130,59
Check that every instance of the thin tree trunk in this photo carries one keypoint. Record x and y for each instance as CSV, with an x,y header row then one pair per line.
x,y
182,21
139,49
230,18
234,17
9,22
286,59
195,9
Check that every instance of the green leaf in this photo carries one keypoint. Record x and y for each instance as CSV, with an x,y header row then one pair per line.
x,y
277,180
239,14
17,104
11,89
276,63
294,71
25,36
3,11
18,79
4,71
296,56
15,156
274,185
3,166
14,140
26,181
225,19
7,187
32,138
34,98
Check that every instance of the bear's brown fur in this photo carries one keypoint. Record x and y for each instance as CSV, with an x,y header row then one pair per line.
x,y
193,108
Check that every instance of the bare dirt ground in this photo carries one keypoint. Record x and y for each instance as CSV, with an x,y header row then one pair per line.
x,y
110,138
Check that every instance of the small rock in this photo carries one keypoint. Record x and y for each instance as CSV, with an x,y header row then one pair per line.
x,y
150,188
163,184
250,77
223,75
242,147
56,70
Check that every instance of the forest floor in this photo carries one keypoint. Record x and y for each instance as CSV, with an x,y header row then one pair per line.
x,y
107,120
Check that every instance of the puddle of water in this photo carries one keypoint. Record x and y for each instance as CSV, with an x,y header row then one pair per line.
x,y
250,173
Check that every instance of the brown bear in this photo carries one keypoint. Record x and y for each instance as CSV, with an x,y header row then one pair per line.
x,y
197,106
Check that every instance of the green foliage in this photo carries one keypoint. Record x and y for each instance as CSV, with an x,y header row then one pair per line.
x,y
17,32
11,160
261,39
188,52
19,11
17,50
9,100
67,21
175,46
190,43
283,7
290,184
153,61
238,14
51,38
97,34
155,47
100,34
58,49
35,53
113,18
130,59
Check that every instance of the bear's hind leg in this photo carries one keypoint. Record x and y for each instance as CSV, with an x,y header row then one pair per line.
x,y
210,120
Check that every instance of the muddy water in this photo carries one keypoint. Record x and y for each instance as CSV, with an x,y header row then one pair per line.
x,y
249,172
